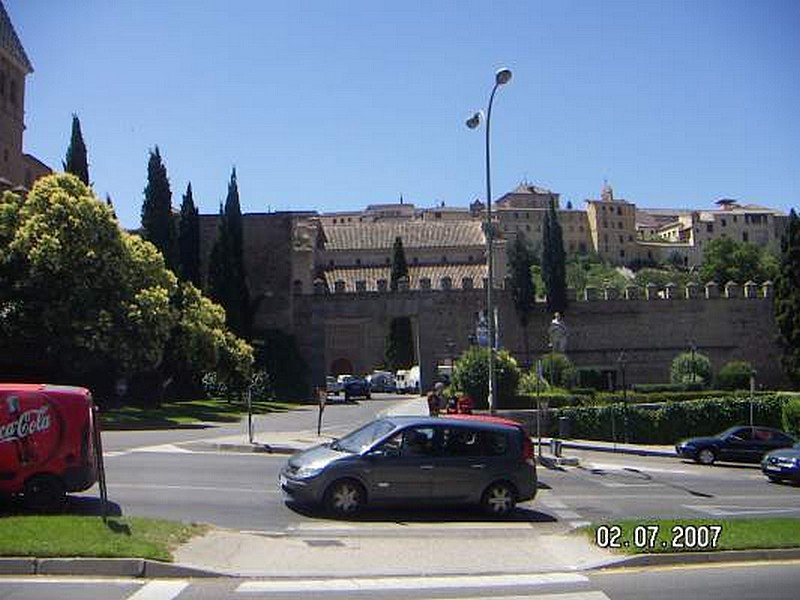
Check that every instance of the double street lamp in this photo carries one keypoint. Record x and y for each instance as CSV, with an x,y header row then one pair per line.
x,y
502,77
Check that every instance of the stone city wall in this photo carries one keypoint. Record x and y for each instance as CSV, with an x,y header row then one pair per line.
x,y
651,325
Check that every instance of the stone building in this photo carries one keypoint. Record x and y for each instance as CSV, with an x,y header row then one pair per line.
x,y
18,170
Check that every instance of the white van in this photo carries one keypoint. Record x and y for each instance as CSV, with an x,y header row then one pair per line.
x,y
407,380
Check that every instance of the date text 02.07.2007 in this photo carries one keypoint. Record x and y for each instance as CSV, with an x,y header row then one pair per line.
x,y
654,537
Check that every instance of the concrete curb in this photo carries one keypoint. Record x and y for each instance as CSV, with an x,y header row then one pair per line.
x,y
554,462
697,558
249,448
102,567
620,449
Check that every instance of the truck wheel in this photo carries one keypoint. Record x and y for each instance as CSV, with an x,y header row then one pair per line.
x,y
499,499
345,497
44,493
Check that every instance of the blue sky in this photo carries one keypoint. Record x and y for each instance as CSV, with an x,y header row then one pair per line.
x,y
335,105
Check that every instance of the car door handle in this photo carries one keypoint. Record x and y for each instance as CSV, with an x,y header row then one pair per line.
x,y
479,466
426,467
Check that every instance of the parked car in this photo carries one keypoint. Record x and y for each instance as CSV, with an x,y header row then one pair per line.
x,y
333,385
737,444
382,381
408,461
408,380
782,464
49,443
356,387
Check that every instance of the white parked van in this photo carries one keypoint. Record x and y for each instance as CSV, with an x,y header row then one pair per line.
x,y
407,380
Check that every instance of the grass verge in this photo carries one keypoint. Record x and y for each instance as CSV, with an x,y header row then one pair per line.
x,y
188,413
695,535
72,536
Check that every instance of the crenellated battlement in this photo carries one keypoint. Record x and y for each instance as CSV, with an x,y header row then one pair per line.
x,y
670,291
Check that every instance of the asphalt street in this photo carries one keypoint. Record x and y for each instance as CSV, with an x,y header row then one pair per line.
x,y
338,417
239,490
776,581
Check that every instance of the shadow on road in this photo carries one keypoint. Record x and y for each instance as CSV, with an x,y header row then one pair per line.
x,y
86,506
441,514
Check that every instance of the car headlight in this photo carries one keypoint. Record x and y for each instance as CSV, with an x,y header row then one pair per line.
x,y
307,472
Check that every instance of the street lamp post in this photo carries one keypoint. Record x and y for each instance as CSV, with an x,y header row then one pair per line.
x,y
501,77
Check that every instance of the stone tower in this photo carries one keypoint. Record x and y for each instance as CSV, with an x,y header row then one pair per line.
x,y
17,169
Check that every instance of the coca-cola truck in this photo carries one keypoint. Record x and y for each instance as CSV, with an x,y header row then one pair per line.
x,y
49,443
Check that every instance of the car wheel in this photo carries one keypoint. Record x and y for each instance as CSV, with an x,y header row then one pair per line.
x,y
706,456
44,493
345,497
369,396
347,397
774,479
499,499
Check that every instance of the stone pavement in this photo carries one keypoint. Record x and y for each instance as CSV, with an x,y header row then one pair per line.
x,y
424,550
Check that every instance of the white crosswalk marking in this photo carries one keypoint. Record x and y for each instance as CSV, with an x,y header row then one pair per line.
x,y
410,583
159,590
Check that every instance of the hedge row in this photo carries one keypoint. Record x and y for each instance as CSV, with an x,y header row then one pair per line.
x,y
582,398
668,423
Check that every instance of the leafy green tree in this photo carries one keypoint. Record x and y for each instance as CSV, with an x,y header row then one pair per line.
x,y
734,375
399,264
227,277
158,223
189,239
787,299
592,270
471,376
691,367
400,344
82,301
523,290
725,259
554,263
76,161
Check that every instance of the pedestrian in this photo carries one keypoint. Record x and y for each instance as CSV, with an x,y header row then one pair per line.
x,y
436,400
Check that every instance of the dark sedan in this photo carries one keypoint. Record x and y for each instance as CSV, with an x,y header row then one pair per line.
x,y
782,464
737,444
356,388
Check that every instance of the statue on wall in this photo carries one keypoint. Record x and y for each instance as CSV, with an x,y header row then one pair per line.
x,y
558,334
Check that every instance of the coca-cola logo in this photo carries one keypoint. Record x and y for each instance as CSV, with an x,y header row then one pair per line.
x,y
28,423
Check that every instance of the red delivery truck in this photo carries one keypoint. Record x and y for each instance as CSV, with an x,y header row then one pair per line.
x,y
49,443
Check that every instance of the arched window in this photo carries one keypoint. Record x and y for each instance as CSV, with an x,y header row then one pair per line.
x,y
2,84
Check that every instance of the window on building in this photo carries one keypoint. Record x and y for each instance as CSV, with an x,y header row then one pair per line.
x,y
2,84
415,260
745,237
387,261
619,225
470,258
582,247
734,218
709,228
437,215
358,262
630,238
444,259
722,222
619,210
605,237
527,227
603,208
622,253
331,263
622,239
12,93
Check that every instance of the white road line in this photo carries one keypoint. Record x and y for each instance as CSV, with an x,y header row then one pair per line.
x,y
159,590
551,502
198,488
46,579
642,468
717,510
617,484
409,583
163,448
567,514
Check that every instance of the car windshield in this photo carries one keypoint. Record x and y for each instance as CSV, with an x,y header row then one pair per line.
x,y
361,439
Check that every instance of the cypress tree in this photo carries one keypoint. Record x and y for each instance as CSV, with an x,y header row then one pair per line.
x,y
227,275
189,239
554,270
400,344
523,288
787,299
399,264
77,161
158,224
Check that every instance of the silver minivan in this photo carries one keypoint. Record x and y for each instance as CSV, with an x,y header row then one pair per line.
x,y
408,461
